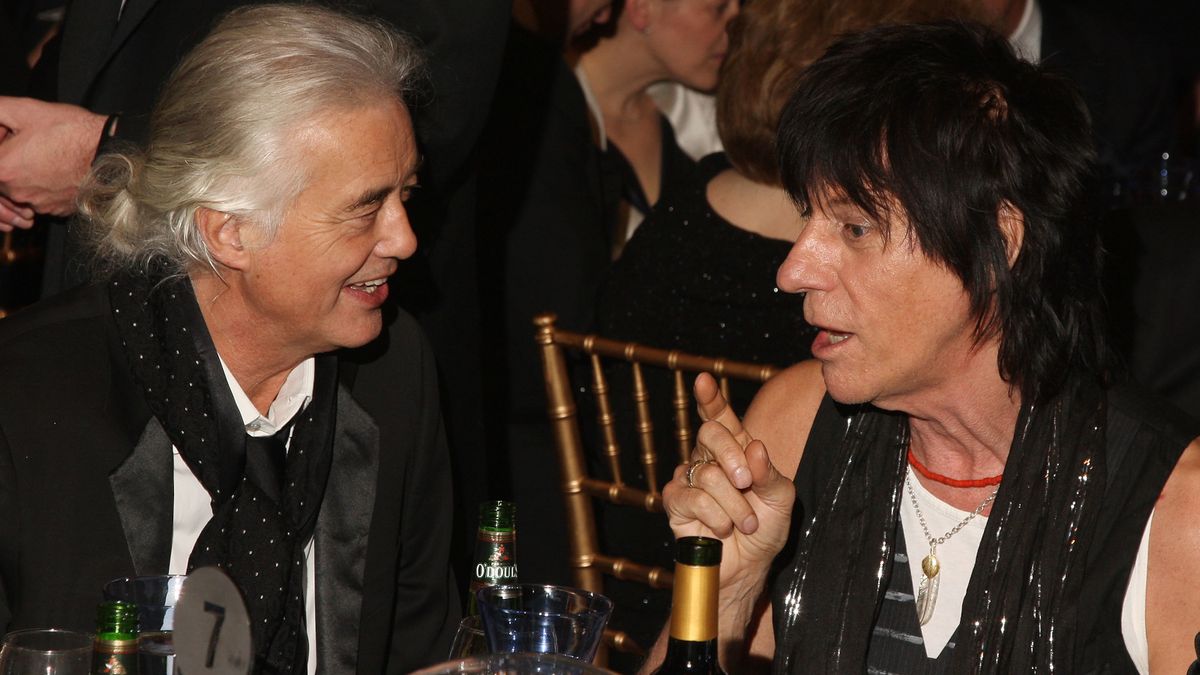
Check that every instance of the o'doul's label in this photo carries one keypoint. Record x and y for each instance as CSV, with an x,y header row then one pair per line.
x,y
114,657
495,559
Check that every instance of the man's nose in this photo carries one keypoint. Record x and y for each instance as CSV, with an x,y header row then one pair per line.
x,y
808,265
396,236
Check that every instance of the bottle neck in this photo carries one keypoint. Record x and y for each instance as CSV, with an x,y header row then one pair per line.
x,y
679,651
694,610
116,622
497,516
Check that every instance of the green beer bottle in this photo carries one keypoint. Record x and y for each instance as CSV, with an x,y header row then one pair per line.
x,y
495,549
115,651
693,644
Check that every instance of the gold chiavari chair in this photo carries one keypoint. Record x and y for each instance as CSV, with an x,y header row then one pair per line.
x,y
579,488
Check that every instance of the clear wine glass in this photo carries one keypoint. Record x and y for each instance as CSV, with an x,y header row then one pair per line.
x,y
46,652
469,640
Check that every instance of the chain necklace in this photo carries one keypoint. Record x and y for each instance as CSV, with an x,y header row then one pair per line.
x,y
930,566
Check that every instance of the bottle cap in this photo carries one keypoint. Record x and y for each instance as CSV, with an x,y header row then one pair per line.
x,y
701,551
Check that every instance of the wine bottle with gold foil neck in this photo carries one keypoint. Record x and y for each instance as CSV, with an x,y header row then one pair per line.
x,y
693,644
115,649
495,549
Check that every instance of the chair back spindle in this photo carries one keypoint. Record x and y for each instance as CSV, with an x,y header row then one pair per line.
x,y
645,428
604,418
683,426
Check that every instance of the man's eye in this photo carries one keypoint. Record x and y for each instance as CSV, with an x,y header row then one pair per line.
x,y
366,217
856,230
407,191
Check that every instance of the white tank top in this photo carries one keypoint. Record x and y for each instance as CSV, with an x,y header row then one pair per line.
x,y
957,558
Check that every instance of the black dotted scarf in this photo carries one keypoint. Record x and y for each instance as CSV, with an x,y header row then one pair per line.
x,y
257,541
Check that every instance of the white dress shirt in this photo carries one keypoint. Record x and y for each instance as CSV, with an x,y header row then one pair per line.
x,y
193,506
1026,40
693,116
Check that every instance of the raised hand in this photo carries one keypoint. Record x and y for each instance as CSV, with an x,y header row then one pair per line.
x,y
735,492
44,156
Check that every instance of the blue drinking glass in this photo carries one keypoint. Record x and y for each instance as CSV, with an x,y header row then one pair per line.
x,y
543,619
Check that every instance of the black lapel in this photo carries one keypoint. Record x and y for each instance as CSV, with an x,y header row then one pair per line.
x,y
131,16
340,540
88,29
144,494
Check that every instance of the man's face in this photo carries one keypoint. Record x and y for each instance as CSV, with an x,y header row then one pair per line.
x,y
893,324
319,283
583,14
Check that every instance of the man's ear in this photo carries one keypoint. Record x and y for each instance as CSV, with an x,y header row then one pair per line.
x,y
1012,227
222,234
638,12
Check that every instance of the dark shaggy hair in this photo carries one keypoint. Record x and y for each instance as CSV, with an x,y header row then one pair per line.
x,y
944,122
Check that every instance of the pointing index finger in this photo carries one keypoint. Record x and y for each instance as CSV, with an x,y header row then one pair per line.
x,y
713,407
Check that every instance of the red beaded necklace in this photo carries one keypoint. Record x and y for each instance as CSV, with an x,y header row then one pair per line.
x,y
952,482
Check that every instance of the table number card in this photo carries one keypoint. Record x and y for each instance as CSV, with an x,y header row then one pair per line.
x,y
212,626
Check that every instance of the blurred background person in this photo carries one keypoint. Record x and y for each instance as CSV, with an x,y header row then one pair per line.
x,y
25,26
650,41
1134,74
1124,74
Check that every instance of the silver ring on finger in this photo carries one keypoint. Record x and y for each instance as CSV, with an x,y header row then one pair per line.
x,y
691,472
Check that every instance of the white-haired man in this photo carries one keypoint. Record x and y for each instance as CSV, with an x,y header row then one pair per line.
x,y
233,393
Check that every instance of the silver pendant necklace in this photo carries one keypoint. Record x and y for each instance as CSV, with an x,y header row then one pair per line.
x,y
930,566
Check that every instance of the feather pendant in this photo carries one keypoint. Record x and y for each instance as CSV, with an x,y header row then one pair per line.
x,y
928,588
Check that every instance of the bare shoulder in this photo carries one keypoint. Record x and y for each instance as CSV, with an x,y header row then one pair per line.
x,y
782,413
1172,597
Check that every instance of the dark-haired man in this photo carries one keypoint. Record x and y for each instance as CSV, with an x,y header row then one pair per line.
x,y
957,483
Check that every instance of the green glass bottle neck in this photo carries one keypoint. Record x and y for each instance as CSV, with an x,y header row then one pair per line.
x,y
497,516
116,621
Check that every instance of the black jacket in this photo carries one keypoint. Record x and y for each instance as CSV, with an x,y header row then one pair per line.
x,y
86,488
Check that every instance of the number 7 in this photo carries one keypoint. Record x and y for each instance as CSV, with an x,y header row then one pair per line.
x,y
219,611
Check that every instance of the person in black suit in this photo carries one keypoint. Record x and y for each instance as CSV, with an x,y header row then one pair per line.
x,y
234,393
1124,78
1150,240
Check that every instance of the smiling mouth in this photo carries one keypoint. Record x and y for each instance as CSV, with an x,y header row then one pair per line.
x,y
835,338
369,286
